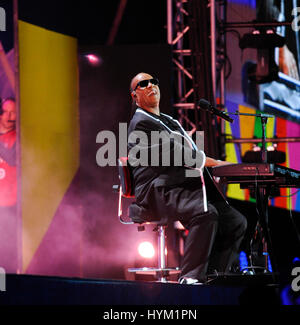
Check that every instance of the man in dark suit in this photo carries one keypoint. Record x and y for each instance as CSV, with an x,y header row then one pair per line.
x,y
167,190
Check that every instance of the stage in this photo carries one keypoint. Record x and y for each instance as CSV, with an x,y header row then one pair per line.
x,y
31,290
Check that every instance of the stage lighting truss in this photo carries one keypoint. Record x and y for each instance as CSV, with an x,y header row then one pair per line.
x,y
178,29
184,38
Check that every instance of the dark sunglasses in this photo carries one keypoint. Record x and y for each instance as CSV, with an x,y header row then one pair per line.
x,y
145,83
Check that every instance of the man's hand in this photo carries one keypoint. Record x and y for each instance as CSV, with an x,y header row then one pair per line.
x,y
222,162
287,63
210,162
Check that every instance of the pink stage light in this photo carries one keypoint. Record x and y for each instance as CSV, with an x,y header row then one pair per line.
x,y
93,59
146,249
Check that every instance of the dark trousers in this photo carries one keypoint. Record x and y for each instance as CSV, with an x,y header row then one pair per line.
x,y
213,241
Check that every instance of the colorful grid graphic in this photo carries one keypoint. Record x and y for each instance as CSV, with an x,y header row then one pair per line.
x,y
250,127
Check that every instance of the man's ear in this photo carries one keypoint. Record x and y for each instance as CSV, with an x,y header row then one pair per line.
x,y
133,94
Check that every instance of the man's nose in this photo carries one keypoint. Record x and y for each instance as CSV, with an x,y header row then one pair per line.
x,y
11,116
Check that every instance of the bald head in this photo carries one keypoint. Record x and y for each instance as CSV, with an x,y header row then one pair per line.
x,y
146,97
139,77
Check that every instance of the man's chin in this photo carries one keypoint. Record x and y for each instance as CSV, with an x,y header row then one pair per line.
x,y
153,103
10,127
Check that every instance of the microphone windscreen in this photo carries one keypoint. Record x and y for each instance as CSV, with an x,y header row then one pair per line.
x,y
204,103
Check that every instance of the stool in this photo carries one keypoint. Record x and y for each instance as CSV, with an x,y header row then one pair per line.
x,y
126,190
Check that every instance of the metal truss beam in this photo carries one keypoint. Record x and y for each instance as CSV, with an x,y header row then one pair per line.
x,y
194,73
178,29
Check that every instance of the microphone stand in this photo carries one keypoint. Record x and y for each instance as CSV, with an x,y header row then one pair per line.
x,y
264,120
262,198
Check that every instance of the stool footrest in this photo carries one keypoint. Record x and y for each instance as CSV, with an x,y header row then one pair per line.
x,y
155,271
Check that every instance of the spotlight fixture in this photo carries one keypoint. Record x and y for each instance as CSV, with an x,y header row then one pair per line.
x,y
264,41
273,156
261,39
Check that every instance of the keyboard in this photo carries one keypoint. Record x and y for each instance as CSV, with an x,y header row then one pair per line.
x,y
258,173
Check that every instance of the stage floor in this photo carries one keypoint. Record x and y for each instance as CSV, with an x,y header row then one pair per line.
x,y
45,290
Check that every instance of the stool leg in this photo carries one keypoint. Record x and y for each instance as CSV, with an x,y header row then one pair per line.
x,y
161,252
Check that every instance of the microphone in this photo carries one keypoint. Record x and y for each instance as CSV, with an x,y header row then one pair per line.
x,y
203,103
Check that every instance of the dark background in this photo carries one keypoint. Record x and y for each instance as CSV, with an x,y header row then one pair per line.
x,y
90,21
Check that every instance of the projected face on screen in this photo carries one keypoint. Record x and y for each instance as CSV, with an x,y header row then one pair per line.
x,y
10,229
281,96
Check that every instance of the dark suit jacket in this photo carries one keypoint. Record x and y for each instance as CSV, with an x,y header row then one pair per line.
x,y
164,191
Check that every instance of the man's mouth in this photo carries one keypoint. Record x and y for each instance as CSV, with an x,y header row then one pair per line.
x,y
152,92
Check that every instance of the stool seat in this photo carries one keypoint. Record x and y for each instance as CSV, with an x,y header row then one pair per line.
x,y
140,215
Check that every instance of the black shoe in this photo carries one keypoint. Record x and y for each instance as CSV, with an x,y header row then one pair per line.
x,y
190,281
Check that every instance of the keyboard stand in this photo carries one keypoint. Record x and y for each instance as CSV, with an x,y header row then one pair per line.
x,y
262,199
